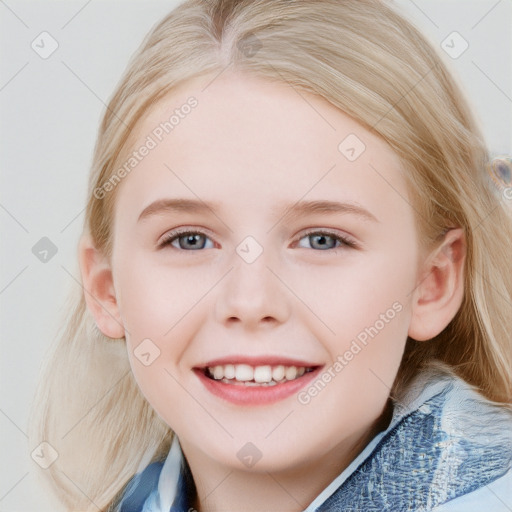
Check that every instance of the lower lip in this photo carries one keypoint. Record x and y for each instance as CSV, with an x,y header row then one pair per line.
x,y
255,395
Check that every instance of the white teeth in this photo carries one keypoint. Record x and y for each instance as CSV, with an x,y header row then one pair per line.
x,y
278,373
262,374
229,371
218,372
245,374
291,373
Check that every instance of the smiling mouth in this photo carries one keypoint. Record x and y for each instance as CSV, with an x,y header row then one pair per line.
x,y
247,375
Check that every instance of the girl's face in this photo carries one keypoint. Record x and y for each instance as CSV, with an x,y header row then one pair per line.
x,y
301,252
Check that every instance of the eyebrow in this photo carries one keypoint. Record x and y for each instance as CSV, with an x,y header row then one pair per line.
x,y
299,209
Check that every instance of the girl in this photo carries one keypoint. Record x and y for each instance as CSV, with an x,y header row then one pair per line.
x,y
296,282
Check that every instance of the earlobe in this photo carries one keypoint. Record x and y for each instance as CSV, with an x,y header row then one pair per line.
x,y
440,291
99,289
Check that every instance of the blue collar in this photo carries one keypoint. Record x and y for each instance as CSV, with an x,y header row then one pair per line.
x,y
162,487
444,441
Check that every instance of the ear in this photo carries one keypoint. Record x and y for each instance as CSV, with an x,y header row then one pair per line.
x,y
99,289
439,295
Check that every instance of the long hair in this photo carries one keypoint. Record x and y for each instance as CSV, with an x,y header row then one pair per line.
x,y
367,60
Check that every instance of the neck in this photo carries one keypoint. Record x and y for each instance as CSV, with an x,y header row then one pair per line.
x,y
220,488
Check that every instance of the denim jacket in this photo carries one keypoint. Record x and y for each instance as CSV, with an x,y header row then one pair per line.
x,y
446,449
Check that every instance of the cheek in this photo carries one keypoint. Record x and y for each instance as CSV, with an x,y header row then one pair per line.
x,y
159,382
361,292
368,306
153,296
159,305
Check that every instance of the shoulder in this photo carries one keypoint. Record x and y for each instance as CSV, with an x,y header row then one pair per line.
x,y
140,487
445,441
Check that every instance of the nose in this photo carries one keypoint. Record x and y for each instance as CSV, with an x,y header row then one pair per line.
x,y
252,294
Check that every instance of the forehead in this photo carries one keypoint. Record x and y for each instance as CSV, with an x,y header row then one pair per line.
x,y
245,140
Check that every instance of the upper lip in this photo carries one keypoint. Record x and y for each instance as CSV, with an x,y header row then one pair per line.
x,y
268,360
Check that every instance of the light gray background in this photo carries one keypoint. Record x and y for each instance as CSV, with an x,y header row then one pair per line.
x,y
50,111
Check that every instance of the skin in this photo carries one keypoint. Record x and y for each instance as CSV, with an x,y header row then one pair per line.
x,y
257,148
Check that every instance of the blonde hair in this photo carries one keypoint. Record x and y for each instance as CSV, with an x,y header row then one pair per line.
x,y
386,76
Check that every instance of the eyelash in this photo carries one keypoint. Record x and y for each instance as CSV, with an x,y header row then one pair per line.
x,y
345,241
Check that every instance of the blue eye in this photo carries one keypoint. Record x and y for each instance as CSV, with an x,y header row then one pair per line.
x,y
187,240
196,240
325,240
